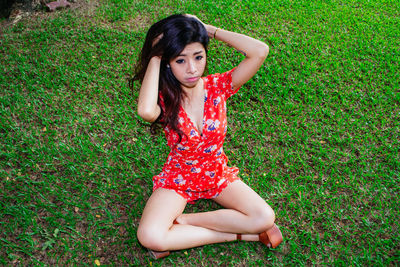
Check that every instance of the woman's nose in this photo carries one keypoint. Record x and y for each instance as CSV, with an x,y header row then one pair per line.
x,y
191,67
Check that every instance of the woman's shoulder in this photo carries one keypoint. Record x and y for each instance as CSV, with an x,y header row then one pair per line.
x,y
218,78
221,83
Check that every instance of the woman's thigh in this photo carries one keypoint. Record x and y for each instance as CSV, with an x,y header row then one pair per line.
x,y
241,197
158,215
162,208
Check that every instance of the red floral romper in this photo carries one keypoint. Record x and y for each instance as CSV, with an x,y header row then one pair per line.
x,y
197,167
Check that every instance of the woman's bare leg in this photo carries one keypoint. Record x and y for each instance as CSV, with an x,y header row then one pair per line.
x,y
246,212
156,229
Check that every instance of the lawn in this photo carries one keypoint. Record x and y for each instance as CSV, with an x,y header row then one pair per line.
x,y
315,132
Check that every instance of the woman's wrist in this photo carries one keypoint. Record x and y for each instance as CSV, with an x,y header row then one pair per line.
x,y
156,59
215,33
211,30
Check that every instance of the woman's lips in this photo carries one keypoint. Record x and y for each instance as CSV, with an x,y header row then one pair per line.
x,y
192,79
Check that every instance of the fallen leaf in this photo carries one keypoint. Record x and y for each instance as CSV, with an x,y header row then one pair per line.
x,y
76,209
97,262
121,230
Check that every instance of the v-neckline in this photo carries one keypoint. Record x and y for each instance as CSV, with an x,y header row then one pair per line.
x,y
204,112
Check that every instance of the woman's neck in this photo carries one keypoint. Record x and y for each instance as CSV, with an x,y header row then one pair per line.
x,y
194,91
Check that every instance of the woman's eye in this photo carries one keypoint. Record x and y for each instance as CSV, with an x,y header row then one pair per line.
x,y
199,57
180,61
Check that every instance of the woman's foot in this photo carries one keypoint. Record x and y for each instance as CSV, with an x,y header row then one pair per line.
x,y
271,237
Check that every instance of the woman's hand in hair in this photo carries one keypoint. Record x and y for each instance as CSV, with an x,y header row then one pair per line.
x,y
193,16
157,39
209,28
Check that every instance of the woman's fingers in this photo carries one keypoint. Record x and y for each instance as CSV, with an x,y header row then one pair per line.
x,y
193,16
209,28
157,39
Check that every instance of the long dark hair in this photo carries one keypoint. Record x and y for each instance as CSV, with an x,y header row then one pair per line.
x,y
177,32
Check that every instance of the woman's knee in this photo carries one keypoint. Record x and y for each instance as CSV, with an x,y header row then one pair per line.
x,y
151,237
262,219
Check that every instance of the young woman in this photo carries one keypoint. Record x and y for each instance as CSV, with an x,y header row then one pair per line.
x,y
192,111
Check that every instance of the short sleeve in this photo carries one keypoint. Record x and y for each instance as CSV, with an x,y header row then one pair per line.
x,y
224,83
162,105
161,101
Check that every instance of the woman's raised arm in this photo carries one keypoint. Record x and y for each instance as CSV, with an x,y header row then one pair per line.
x,y
148,108
254,51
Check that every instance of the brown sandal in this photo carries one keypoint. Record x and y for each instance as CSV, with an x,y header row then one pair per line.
x,y
158,254
272,237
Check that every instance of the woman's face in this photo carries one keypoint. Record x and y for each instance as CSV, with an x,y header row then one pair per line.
x,y
189,65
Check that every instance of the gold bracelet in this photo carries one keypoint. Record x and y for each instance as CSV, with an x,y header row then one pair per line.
x,y
215,32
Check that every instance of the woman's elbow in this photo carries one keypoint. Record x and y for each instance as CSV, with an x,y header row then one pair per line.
x,y
147,115
263,51
259,52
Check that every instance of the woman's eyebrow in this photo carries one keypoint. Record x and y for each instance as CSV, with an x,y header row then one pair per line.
x,y
195,53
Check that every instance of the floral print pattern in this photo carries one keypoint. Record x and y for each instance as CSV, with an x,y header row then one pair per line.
x,y
197,167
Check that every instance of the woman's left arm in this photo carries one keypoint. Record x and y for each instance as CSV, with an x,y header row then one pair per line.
x,y
254,51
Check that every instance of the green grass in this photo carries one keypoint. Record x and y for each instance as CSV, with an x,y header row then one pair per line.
x,y
315,132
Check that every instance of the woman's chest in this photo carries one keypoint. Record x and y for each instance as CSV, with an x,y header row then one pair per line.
x,y
193,113
213,125
212,121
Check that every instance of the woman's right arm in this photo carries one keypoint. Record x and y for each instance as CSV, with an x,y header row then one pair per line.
x,y
148,109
